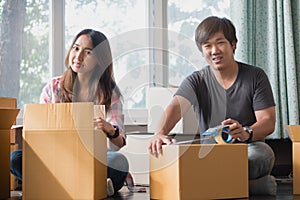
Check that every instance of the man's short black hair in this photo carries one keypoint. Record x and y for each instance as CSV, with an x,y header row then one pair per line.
x,y
212,25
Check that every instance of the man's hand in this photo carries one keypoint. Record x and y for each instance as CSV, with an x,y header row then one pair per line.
x,y
236,130
156,143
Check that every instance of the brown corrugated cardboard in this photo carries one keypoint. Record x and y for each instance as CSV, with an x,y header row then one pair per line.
x,y
7,103
63,157
4,164
200,172
16,135
8,118
8,115
99,111
294,133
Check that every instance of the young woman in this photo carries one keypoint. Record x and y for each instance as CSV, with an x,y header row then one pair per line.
x,y
89,78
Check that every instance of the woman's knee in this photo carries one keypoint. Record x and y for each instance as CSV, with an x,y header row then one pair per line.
x,y
117,161
16,163
16,158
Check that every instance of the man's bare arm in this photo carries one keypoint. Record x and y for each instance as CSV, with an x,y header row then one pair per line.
x,y
173,113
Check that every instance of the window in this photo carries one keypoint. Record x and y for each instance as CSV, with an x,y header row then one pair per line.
x,y
24,49
183,19
46,37
123,22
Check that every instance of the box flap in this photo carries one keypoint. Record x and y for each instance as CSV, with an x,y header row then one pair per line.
x,y
58,116
6,102
8,117
294,132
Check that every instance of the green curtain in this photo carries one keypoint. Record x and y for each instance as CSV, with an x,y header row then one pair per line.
x,y
268,34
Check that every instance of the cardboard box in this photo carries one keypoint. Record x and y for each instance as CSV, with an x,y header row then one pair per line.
x,y
294,133
12,104
63,157
8,115
194,171
6,102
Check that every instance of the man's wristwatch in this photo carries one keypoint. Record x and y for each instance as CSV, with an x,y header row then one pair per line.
x,y
250,131
117,133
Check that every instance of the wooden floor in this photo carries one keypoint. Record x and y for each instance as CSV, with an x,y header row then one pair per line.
x,y
284,192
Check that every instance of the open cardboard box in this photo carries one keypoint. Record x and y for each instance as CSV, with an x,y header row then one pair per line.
x,y
294,133
15,135
200,171
63,156
8,114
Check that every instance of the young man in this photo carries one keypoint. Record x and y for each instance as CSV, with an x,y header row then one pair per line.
x,y
230,93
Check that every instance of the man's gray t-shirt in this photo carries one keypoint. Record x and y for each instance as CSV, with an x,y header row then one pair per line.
x,y
250,92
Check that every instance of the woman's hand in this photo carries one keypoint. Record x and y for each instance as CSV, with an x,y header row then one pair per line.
x,y
156,143
115,143
106,127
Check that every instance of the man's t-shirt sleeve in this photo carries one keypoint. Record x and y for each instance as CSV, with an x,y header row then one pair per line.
x,y
263,96
187,88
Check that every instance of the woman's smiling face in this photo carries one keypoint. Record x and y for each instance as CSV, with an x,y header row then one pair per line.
x,y
82,58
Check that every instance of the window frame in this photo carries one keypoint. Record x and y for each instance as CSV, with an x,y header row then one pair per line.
x,y
157,15
57,37
157,20
158,26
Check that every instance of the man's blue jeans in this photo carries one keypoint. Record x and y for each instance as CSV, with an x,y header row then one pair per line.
x,y
261,159
117,169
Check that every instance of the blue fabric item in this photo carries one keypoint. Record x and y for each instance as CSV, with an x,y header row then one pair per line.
x,y
117,169
16,164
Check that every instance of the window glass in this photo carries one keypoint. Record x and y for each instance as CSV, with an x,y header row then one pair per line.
x,y
123,22
26,70
183,19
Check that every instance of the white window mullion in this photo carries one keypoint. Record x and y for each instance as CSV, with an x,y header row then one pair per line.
x,y
57,37
158,42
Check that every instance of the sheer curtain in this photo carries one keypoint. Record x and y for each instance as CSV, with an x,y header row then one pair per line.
x,y
268,34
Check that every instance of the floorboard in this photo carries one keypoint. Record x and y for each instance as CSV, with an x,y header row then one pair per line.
x,y
284,192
